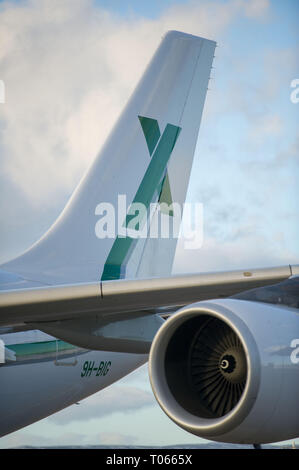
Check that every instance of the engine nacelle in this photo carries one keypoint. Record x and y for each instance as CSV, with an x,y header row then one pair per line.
x,y
226,370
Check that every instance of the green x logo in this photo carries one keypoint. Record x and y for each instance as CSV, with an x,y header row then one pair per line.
x,y
155,179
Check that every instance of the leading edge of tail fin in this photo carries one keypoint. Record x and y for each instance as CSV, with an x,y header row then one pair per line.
x,y
109,228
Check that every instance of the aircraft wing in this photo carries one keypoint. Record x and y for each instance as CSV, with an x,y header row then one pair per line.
x,y
120,299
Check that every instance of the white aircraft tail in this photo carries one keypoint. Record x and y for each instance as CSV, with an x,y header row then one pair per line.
x,y
147,159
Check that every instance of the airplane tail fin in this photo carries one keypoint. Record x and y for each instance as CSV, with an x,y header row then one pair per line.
x,y
146,161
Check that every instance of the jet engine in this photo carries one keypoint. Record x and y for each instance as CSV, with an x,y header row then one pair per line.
x,y
228,370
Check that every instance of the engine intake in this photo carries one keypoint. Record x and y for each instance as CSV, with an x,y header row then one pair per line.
x,y
215,366
219,371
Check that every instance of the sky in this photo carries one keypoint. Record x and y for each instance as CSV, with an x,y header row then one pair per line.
x,y
68,68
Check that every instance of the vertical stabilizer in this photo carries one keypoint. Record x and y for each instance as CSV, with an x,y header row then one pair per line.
x,y
146,160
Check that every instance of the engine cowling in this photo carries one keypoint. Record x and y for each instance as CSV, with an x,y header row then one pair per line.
x,y
226,370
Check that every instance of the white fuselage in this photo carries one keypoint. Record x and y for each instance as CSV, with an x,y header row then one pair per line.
x,y
49,375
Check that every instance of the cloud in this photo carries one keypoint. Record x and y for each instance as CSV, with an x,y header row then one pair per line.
x,y
247,248
257,81
268,125
116,399
257,8
69,68
115,439
24,438
63,439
